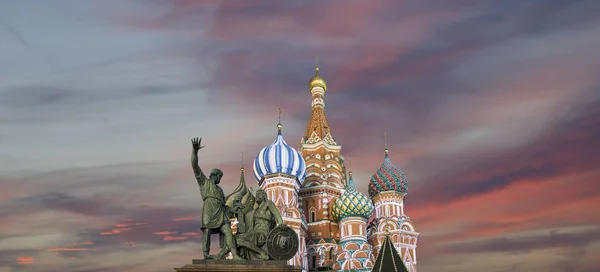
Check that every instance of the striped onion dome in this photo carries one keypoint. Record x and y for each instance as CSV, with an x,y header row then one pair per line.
x,y
387,178
352,203
279,157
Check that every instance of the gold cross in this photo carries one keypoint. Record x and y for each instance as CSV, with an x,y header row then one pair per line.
x,y
385,139
279,110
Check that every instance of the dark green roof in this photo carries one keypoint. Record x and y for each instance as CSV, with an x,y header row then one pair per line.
x,y
388,259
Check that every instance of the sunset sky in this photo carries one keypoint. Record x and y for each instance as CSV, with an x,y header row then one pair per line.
x,y
491,108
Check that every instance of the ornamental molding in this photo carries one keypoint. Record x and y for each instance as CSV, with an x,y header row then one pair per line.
x,y
379,204
317,190
313,146
317,90
314,138
318,102
329,140
279,178
353,219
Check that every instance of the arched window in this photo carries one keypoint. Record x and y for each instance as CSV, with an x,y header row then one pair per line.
x,y
332,254
312,214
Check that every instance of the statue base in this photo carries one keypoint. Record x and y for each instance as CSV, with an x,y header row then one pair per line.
x,y
238,265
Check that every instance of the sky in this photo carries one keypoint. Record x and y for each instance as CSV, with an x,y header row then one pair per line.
x,y
491,109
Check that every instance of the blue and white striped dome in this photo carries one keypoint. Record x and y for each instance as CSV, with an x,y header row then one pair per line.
x,y
279,157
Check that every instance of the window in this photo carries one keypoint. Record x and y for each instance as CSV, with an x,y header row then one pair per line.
x,y
331,254
313,216
314,261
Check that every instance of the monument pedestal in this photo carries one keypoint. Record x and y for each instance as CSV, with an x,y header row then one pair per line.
x,y
238,266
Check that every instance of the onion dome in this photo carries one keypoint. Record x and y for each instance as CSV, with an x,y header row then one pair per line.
x,y
351,203
279,157
242,193
387,178
317,81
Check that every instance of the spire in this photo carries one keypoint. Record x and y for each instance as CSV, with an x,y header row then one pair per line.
x,y
386,151
242,162
350,184
388,258
279,125
242,178
350,168
317,122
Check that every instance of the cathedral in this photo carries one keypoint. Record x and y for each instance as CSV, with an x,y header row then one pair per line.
x,y
340,228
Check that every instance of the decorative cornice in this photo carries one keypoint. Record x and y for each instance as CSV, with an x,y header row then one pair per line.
x,y
315,190
273,178
308,147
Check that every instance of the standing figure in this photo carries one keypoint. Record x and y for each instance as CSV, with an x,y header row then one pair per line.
x,y
215,213
259,222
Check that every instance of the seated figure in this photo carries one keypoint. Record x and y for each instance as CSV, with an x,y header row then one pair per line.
x,y
254,228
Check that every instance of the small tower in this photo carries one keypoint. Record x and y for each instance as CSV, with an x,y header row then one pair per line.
x,y
351,211
280,170
387,189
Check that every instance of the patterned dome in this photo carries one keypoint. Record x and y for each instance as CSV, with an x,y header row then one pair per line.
x,y
387,178
352,203
279,157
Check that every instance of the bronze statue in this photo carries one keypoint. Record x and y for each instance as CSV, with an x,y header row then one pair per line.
x,y
261,233
215,214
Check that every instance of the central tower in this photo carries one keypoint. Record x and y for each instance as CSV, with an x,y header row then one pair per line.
x,y
324,182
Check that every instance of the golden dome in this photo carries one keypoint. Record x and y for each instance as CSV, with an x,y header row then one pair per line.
x,y
317,80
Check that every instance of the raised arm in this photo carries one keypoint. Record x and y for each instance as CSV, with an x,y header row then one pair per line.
x,y
200,177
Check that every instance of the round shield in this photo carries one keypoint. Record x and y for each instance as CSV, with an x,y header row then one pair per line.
x,y
282,243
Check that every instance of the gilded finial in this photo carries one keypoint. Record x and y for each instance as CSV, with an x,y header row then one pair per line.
x,y
242,161
385,143
279,126
350,168
317,80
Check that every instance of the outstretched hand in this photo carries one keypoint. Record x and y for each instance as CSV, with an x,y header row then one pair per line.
x,y
196,144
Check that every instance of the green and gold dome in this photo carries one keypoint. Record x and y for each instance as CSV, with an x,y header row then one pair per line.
x,y
351,203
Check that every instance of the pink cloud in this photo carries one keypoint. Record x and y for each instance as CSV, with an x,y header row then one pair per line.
x,y
165,233
25,260
174,238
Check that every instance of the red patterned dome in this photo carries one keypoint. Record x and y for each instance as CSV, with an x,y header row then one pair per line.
x,y
387,178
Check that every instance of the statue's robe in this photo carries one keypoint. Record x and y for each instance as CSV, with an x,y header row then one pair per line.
x,y
214,213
